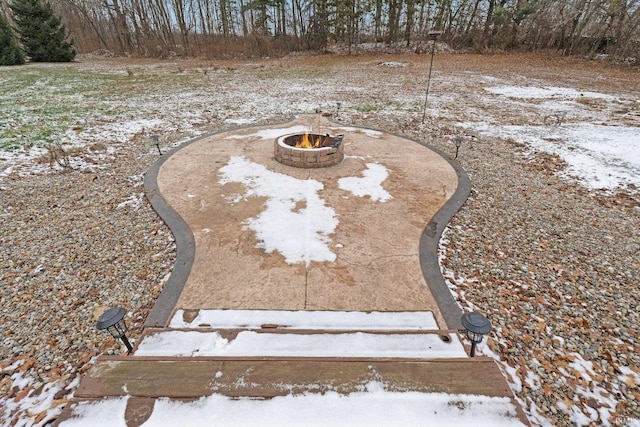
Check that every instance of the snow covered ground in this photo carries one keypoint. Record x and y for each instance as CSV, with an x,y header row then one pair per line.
x,y
600,152
94,108
98,106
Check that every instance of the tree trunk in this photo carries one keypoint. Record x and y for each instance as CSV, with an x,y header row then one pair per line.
x,y
487,24
411,10
472,18
120,24
378,21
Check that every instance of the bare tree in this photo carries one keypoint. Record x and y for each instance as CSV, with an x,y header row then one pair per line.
x,y
158,27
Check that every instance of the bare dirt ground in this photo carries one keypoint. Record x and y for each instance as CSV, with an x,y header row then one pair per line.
x,y
553,264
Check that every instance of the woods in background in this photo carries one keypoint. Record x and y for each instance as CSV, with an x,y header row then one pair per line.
x,y
236,28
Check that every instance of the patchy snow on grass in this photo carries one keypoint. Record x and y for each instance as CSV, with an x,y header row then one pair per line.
x,y
600,157
369,132
240,121
372,406
536,92
273,133
119,132
323,320
9,160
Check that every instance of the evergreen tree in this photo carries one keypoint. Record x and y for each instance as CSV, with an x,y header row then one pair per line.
x,y
42,35
10,53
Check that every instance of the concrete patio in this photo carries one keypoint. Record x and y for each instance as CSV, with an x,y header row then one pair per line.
x,y
385,261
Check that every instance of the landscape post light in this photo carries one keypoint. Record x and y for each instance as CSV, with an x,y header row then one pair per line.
x,y
113,321
433,35
476,326
458,141
156,140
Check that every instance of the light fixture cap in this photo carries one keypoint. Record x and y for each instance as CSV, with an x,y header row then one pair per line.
x,y
111,317
476,323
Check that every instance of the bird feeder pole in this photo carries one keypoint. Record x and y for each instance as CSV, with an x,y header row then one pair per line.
x,y
433,35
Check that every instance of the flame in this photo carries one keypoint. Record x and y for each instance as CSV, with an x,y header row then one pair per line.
x,y
308,141
305,142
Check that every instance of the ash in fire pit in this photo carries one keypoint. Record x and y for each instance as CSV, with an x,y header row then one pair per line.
x,y
309,150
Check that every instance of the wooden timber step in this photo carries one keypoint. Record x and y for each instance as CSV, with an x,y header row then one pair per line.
x,y
177,365
185,378
144,379
274,342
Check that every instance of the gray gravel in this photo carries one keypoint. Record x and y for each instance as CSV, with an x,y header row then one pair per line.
x,y
554,266
70,248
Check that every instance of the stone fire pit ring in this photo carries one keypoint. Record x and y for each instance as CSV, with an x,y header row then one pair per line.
x,y
328,155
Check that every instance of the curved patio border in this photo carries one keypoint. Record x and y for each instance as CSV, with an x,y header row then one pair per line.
x,y
185,243
160,313
430,241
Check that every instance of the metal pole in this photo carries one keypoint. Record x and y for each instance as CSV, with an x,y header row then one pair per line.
x,y
433,50
127,343
473,349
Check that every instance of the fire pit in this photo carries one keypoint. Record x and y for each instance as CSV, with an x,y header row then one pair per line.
x,y
309,150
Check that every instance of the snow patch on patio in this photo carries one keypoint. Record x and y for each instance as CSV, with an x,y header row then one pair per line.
x,y
295,222
370,184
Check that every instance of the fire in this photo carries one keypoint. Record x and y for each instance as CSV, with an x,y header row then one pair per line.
x,y
308,141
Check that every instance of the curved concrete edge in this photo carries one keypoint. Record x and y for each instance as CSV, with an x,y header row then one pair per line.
x,y
162,310
429,244
185,245
430,239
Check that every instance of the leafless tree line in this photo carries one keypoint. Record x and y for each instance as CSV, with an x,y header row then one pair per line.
x,y
267,27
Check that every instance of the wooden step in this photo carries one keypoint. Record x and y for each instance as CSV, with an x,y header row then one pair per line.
x,y
132,385
260,377
274,342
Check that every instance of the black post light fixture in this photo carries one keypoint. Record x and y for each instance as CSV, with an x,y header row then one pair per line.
x,y
458,141
476,326
156,141
113,321
433,35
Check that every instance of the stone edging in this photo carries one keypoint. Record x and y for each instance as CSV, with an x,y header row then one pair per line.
x,y
162,309
185,243
429,244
